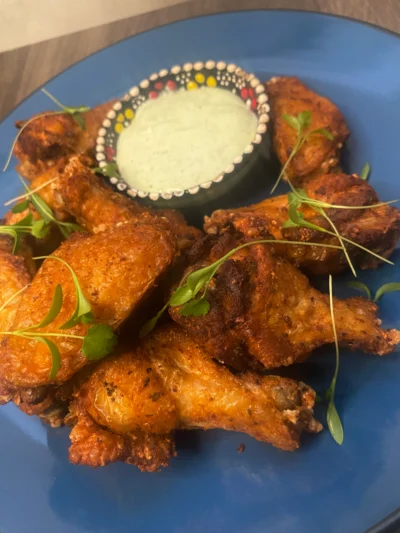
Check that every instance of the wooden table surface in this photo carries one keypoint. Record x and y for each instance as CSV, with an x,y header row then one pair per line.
x,y
25,69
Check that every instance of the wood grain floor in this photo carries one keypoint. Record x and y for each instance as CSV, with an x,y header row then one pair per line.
x,y
25,69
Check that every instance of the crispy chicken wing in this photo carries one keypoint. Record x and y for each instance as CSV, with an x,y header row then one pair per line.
x,y
264,311
96,207
376,229
116,270
50,137
318,154
168,382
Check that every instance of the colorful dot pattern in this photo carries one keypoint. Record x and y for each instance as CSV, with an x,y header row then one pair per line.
x,y
189,77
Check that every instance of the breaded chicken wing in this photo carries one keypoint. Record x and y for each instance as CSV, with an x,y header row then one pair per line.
x,y
168,382
49,137
116,269
318,154
376,229
265,312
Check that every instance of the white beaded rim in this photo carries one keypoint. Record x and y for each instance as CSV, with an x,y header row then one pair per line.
x,y
262,113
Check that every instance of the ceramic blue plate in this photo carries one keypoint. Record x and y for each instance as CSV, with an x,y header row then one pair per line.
x,y
209,486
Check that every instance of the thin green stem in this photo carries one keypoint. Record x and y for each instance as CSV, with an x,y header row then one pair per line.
x,y
335,375
21,333
53,98
7,302
322,212
292,154
31,192
22,129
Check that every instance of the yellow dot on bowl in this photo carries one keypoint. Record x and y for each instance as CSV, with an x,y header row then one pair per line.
x,y
192,85
199,77
211,81
129,114
120,117
119,128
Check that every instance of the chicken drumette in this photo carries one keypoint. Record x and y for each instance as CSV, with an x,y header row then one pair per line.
x,y
264,311
318,155
377,229
132,402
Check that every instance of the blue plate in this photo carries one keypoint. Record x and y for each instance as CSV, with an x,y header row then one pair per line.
x,y
209,486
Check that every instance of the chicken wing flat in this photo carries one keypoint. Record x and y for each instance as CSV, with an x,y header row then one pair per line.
x,y
318,154
96,207
168,382
116,269
49,137
265,312
377,229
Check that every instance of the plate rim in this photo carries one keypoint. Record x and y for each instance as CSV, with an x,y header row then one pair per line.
x,y
390,523
210,15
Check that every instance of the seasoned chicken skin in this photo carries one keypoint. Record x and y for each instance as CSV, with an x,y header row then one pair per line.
x,y
47,138
169,382
377,229
265,312
318,154
96,207
116,270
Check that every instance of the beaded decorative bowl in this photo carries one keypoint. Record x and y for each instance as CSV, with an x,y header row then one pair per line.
x,y
190,76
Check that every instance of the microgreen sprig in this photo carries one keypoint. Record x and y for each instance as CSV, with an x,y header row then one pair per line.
x,y
298,197
99,340
333,418
110,170
365,172
387,288
75,112
300,123
200,279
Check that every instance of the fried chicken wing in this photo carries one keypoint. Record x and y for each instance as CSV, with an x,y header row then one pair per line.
x,y
377,229
318,154
116,270
96,207
168,382
50,137
265,312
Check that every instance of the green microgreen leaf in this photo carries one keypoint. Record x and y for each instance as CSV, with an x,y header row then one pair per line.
x,y
333,419
99,341
364,174
110,170
20,207
23,223
304,119
181,296
335,424
77,109
40,228
79,120
54,310
386,289
361,287
83,307
292,121
55,355
323,131
199,307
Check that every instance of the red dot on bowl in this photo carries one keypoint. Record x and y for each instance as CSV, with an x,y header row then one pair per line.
x,y
159,85
244,93
171,85
253,104
251,93
153,95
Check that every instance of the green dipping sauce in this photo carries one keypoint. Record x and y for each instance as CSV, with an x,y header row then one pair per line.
x,y
183,139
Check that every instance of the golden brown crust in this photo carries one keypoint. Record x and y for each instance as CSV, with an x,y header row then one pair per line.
x,y
116,269
376,229
318,154
96,207
263,307
94,446
50,137
169,382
